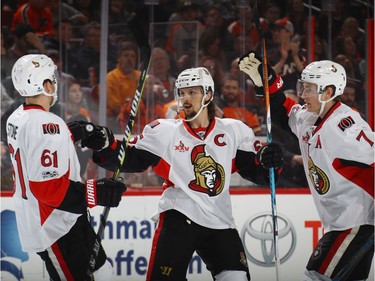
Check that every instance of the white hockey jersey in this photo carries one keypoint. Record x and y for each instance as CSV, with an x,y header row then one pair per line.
x,y
44,160
197,170
338,158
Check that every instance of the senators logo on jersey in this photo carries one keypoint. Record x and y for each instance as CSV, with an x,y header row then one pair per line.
x,y
51,129
209,175
318,178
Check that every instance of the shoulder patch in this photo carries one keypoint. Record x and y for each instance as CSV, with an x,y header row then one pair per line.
x,y
346,123
51,129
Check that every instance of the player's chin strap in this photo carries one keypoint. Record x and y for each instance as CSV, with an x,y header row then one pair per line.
x,y
323,103
196,115
54,95
203,105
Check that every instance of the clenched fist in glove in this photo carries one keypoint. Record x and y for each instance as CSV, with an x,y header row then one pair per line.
x,y
81,129
90,135
270,156
101,138
252,66
104,192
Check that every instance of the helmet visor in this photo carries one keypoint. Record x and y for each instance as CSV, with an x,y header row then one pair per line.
x,y
306,89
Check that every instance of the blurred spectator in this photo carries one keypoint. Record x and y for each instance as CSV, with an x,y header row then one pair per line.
x,y
37,15
271,13
25,41
344,45
161,69
62,42
230,91
243,44
216,70
6,100
88,56
89,8
62,11
213,19
247,98
244,30
122,82
75,106
65,79
182,43
75,110
6,167
210,45
297,16
348,97
151,106
287,58
118,29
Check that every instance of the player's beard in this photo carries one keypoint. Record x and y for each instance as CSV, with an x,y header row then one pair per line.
x,y
190,114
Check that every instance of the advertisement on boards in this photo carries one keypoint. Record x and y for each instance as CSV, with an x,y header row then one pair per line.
x,y
129,231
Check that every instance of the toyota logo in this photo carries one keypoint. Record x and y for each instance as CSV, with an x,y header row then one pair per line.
x,y
258,240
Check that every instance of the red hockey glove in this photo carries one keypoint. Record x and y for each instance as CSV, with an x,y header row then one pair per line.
x,y
101,138
270,156
104,192
251,64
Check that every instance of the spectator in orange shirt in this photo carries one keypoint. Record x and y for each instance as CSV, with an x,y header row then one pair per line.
x,y
230,91
36,14
151,106
122,82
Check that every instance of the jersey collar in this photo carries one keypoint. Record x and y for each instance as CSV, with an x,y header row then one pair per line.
x,y
194,134
32,106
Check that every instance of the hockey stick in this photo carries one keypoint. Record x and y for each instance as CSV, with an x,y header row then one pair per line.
x,y
344,273
145,54
269,137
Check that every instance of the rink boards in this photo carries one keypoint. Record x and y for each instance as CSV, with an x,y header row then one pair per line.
x,y
129,232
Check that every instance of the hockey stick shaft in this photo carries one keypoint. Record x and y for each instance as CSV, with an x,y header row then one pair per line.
x,y
344,273
146,61
269,139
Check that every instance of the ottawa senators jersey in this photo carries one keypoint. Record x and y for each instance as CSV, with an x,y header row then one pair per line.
x,y
197,167
338,153
44,162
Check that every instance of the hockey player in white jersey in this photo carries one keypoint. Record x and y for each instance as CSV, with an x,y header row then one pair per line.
x,y
50,200
337,146
196,157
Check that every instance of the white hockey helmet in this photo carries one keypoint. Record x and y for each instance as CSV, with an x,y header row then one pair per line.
x,y
325,73
192,77
30,72
195,77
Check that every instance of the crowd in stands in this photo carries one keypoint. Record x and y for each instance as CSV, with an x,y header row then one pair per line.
x,y
183,34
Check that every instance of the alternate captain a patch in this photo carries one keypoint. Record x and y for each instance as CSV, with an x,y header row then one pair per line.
x,y
346,123
51,129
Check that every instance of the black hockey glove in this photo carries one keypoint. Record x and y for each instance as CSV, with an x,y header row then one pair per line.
x,y
81,129
104,192
270,156
251,64
101,138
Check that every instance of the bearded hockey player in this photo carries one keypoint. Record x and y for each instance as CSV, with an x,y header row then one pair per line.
x,y
337,147
50,199
196,157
